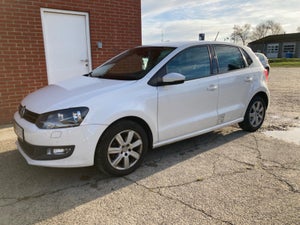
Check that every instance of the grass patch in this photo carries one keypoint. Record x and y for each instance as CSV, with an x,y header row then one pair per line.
x,y
285,62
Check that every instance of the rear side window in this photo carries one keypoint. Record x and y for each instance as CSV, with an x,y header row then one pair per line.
x,y
229,58
247,57
193,63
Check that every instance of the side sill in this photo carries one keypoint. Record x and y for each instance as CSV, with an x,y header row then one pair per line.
x,y
194,134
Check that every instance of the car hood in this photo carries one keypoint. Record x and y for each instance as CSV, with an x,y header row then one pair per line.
x,y
71,93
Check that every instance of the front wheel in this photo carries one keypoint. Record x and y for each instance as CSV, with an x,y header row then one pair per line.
x,y
255,115
121,149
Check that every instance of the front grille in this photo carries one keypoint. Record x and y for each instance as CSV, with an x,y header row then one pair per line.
x,y
28,115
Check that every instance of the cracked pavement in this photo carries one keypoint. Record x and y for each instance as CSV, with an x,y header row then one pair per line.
x,y
223,177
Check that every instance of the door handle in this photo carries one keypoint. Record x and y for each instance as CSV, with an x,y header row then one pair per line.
x,y
212,87
84,60
249,79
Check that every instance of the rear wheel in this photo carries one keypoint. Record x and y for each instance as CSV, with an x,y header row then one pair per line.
x,y
255,115
121,149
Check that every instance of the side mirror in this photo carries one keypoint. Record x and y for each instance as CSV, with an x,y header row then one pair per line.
x,y
172,79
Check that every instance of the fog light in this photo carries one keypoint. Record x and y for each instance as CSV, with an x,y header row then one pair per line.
x,y
58,152
37,152
61,151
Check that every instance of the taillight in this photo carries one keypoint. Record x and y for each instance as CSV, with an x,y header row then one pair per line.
x,y
266,72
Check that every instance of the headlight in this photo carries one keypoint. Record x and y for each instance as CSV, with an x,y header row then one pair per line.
x,y
62,118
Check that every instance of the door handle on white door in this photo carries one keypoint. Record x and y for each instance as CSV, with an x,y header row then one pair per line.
x,y
84,60
249,79
212,87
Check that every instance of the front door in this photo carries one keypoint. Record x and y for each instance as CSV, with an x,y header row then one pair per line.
x,y
189,107
67,44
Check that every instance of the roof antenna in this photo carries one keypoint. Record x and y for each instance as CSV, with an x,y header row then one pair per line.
x,y
217,36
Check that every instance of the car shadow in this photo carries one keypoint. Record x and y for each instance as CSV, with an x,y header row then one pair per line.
x,y
53,191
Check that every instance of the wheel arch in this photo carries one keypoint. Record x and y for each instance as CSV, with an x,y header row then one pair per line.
x,y
264,96
143,124
255,112
137,120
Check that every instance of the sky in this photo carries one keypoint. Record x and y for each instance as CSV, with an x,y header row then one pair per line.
x,y
183,20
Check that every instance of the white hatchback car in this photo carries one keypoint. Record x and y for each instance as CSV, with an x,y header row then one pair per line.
x,y
144,98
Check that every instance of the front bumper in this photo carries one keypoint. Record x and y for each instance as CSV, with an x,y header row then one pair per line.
x,y
80,143
46,152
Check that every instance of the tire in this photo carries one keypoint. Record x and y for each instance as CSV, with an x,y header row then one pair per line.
x,y
255,115
121,148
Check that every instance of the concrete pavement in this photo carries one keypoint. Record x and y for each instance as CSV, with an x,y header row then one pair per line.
x,y
224,177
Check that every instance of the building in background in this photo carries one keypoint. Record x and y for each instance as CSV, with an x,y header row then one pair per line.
x,y
278,46
45,41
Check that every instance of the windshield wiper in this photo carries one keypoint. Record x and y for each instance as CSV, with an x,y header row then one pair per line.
x,y
88,74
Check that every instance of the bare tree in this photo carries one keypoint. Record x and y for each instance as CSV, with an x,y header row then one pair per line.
x,y
260,31
268,27
274,27
241,33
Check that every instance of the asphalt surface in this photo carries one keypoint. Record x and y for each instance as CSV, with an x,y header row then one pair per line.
x,y
224,177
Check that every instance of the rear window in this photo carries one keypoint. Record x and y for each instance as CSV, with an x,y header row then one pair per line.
x,y
229,58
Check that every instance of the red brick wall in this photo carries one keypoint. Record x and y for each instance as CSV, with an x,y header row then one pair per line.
x,y
22,57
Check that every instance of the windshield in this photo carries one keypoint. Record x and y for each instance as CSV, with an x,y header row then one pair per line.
x,y
133,64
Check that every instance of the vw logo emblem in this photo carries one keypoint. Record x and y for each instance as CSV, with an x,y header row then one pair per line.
x,y
22,111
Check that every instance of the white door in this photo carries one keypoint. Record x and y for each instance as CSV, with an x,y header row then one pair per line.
x,y
234,83
191,106
67,44
187,108
272,50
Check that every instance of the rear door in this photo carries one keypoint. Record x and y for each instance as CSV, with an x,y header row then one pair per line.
x,y
235,80
191,106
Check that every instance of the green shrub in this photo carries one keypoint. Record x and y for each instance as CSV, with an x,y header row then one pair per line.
x,y
285,62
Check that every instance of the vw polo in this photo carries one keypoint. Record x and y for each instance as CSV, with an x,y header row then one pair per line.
x,y
143,98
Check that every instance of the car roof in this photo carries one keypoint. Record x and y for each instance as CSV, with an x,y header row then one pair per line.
x,y
188,43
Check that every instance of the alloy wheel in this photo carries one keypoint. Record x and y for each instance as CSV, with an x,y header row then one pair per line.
x,y
125,150
256,114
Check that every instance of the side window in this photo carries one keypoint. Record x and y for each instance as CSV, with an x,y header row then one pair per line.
x,y
229,58
247,57
193,63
